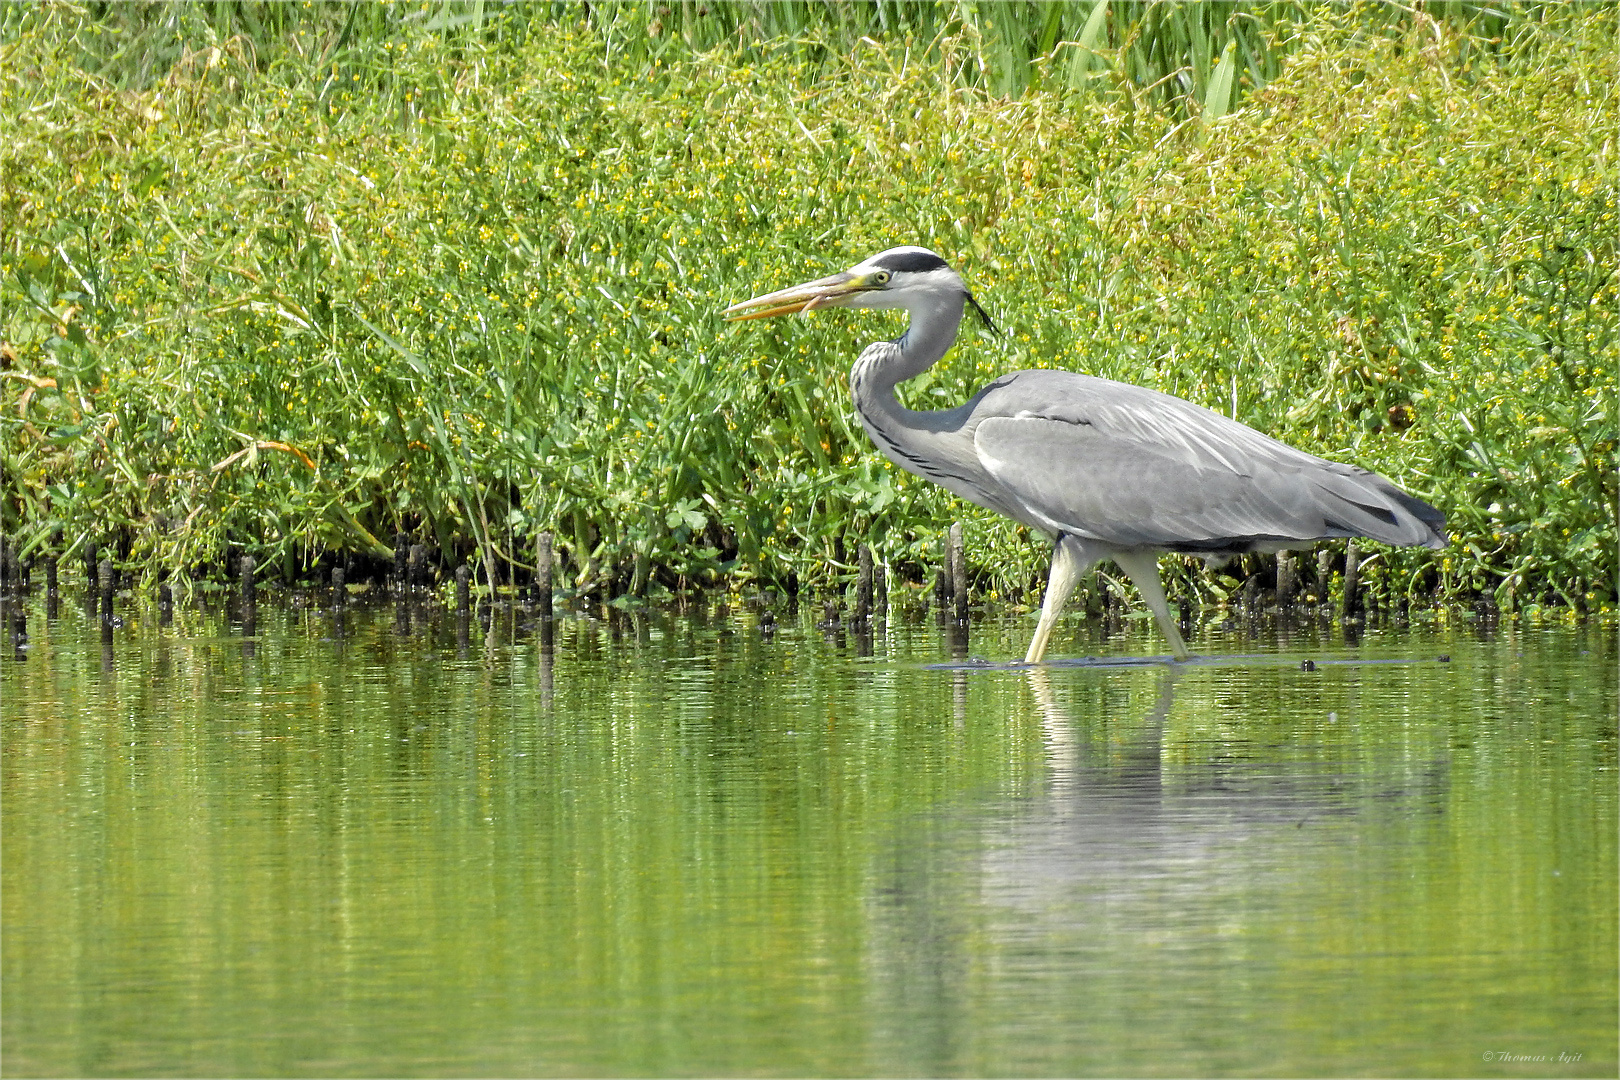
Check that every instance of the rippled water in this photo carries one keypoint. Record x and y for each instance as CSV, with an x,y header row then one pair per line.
x,y
672,847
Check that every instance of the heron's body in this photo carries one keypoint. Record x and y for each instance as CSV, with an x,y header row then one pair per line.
x,y
1109,470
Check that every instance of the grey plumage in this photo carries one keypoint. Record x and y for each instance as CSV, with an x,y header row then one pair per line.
x,y
1162,472
1109,470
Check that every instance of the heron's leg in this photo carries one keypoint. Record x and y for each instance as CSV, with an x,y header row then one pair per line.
x,y
1143,569
1070,561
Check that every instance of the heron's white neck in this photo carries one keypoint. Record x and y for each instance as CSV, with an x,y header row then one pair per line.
x,y
930,444
928,337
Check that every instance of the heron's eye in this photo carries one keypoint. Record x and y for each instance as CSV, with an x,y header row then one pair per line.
x,y
880,278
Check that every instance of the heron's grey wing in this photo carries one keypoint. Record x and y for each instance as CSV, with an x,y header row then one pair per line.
x,y
1133,467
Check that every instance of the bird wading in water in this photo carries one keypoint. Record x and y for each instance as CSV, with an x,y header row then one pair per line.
x,y
1107,469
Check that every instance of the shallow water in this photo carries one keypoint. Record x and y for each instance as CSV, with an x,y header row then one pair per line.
x,y
671,847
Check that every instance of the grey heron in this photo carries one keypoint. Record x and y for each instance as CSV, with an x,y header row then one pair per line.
x,y
1107,469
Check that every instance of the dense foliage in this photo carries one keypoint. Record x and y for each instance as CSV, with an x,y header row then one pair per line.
x,y
292,287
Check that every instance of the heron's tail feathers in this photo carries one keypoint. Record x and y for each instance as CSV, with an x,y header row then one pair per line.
x,y
1355,502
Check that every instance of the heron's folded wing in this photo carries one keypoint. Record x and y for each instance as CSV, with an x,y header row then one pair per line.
x,y
1172,475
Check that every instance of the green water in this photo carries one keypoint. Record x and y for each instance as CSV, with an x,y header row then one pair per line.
x,y
675,848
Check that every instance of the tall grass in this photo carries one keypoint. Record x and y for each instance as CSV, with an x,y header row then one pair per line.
x,y
291,279
1191,56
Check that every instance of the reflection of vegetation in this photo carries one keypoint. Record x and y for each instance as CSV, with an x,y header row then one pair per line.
x,y
291,280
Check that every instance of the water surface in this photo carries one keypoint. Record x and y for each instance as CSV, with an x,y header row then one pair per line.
x,y
672,847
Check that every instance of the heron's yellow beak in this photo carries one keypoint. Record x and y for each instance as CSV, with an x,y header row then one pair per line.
x,y
824,292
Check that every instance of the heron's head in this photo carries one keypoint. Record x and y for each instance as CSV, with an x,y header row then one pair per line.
x,y
904,277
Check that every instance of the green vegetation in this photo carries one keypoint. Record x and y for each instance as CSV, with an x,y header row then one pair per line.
x,y
290,279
